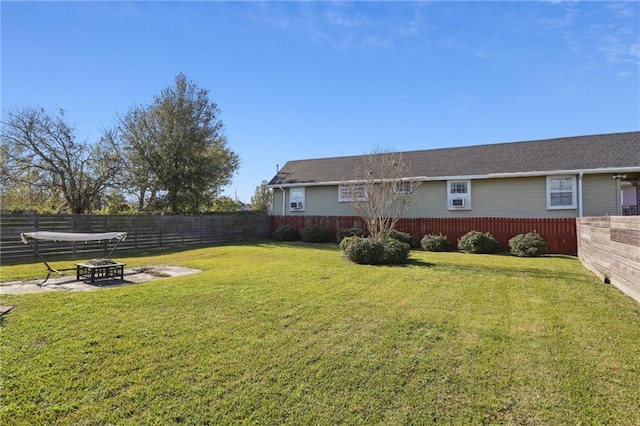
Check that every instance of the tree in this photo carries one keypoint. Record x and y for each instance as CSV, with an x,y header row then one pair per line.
x,y
261,200
176,152
20,194
134,183
380,191
41,159
226,204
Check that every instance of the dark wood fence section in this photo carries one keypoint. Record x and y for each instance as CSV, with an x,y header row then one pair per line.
x,y
560,234
145,232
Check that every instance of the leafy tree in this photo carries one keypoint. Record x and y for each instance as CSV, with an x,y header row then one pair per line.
x,y
176,152
381,191
42,160
226,204
116,203
261,201
134,182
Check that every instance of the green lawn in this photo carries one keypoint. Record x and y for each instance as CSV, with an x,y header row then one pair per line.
x,y
277,333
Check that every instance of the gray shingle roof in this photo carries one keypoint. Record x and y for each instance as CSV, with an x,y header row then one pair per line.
x,y
608,151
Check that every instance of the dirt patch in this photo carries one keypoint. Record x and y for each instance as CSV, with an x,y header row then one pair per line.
x,y
69,282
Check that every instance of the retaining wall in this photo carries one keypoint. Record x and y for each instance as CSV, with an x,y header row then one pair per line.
x,y
609,246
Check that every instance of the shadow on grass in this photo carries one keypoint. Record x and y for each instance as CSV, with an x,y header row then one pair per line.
x,y
416,262
132,253
545,256
299,245
541,273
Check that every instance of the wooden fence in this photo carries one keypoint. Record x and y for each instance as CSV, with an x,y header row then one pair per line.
x,y
609,246
560,234
144,232
149,232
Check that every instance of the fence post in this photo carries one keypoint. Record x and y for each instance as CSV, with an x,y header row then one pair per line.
x,y
36,247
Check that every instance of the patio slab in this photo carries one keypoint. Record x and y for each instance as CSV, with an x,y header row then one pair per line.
x,y
69,282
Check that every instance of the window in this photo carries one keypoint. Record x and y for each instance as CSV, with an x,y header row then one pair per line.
x,y
561,192
403,187
296,199
458,188
348,193
459,195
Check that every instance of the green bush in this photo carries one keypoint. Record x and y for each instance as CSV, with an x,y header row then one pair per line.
x,y
528,245
315,234
403,237
478,242
369,251
433,242
286,233
395,252
350,232
363,251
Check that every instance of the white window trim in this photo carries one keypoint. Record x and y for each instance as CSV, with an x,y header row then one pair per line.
x,y
466,197
297,195
574,193
399,187
344,195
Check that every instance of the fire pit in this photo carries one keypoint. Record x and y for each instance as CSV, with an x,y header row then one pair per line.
x,y
96,269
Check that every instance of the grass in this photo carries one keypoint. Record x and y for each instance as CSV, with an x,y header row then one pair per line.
x,y
289,333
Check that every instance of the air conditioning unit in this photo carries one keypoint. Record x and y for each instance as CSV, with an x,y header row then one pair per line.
x,y
296,205
457,203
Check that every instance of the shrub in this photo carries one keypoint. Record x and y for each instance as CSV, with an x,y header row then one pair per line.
x,y
433,242
478,242
315,234
395,252
528,245
350,232
369,251
364,251
400,236
285,233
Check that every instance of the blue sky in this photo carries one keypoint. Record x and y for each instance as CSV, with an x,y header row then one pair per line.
x,y
298,80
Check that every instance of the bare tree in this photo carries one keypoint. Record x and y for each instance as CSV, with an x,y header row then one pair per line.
x,y
380,191
40,150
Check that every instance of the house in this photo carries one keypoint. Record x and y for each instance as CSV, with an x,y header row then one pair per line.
x,y
552,178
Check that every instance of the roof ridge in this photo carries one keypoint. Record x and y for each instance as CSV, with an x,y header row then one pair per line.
x,y
482,145
587,152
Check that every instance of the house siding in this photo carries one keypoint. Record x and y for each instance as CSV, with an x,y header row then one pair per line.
x,y
601,197
523,197
514,198
319,201
324,202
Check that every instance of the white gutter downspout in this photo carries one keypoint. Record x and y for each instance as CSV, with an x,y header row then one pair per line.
x,y
284,200
580,203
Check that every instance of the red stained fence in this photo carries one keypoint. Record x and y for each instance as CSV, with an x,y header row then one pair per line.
x,y
560,234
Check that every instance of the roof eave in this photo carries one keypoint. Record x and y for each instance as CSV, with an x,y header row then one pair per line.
x,y
603,170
